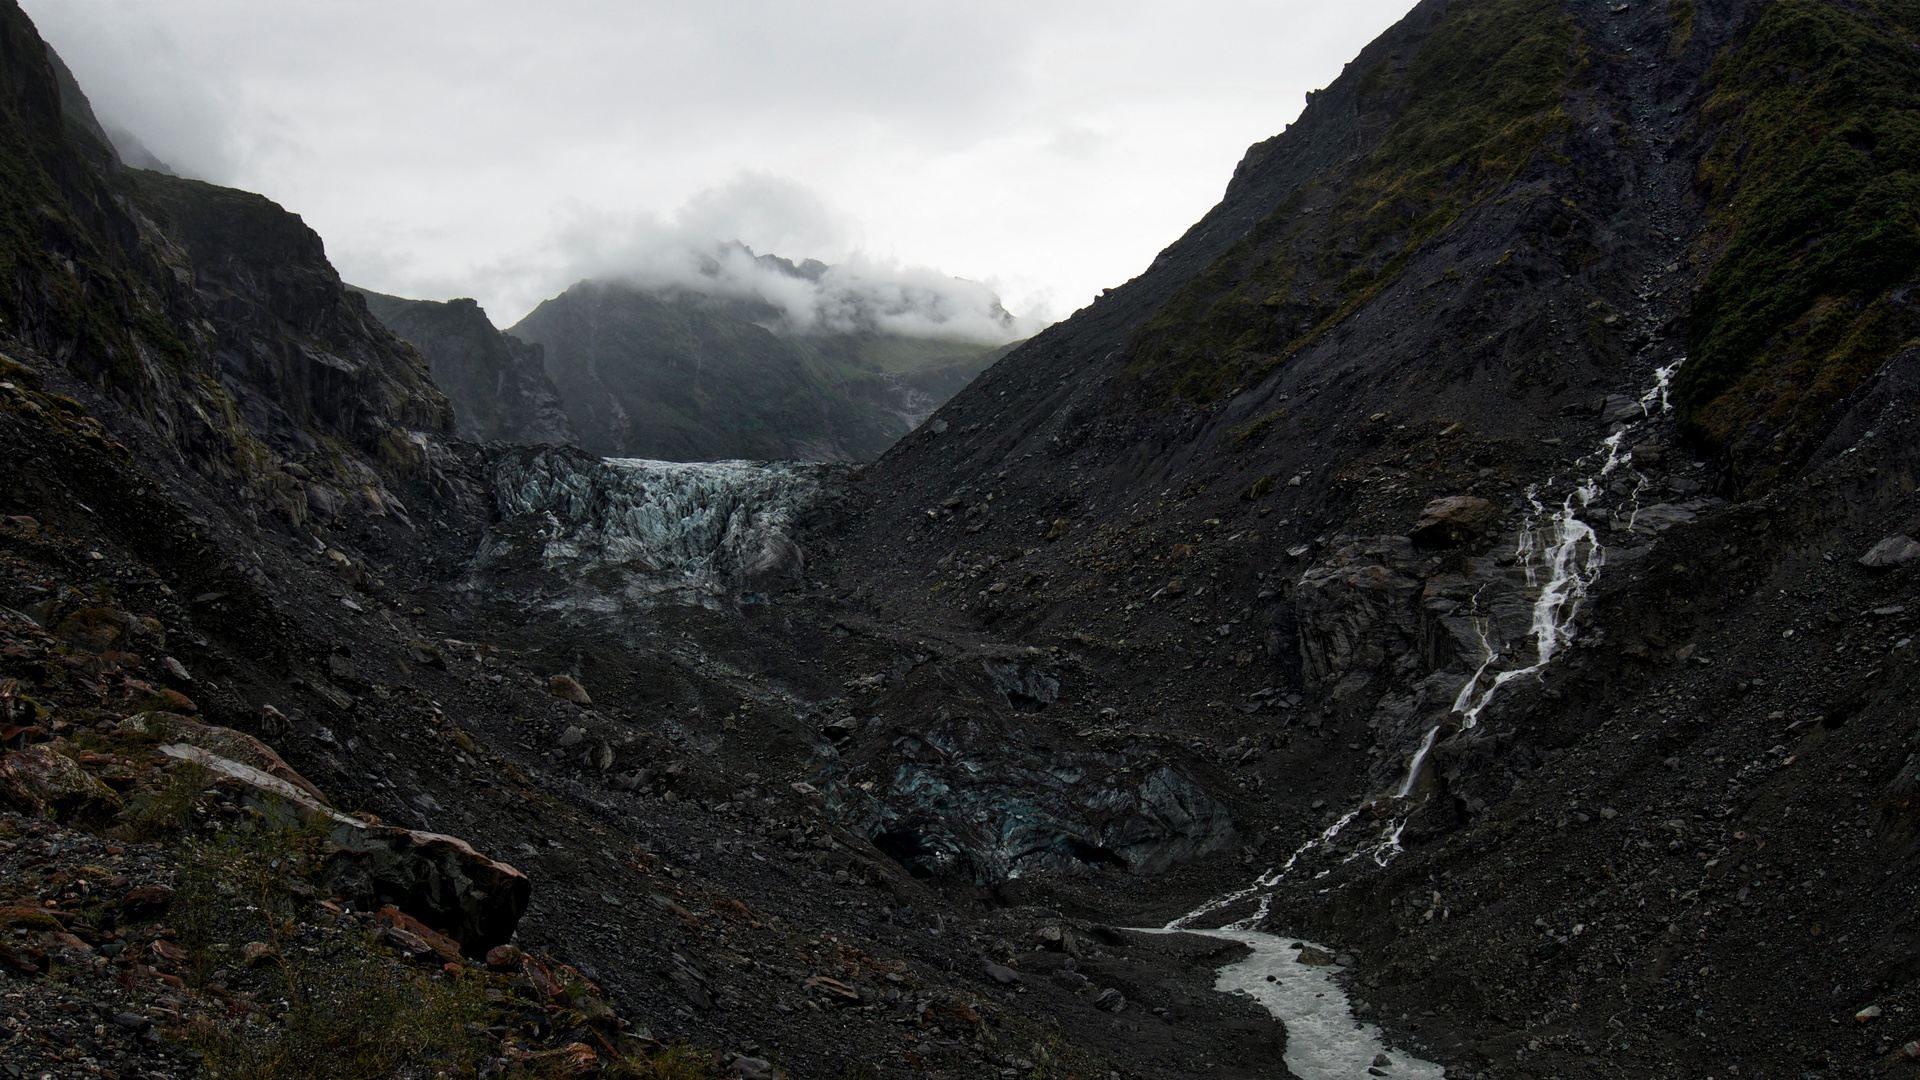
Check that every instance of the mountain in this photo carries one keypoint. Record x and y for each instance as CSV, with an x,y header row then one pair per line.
x,y
1460,595
497,383
678,374
1513,459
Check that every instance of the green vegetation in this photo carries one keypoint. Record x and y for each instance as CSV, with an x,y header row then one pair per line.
x,y
165,809
1463,114
1682,14
1814,189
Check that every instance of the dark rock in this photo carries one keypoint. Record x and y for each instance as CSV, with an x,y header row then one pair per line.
x,y
498,384
1454,520
439,880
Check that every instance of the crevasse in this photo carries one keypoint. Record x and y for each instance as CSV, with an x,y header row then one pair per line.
x,y
689,531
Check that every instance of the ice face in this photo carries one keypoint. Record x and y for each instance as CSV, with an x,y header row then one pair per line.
x,y
687,531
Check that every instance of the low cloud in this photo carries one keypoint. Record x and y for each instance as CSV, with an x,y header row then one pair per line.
x,y
813,270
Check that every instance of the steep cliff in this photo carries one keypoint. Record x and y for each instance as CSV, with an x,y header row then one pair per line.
x,y
1507,486
498,384
210,316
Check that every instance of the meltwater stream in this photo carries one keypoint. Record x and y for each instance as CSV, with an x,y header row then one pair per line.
x,y
1562,557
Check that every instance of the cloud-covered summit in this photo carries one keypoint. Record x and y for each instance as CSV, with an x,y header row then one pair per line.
x,y
709,247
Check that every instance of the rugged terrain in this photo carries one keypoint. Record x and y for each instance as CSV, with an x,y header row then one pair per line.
x,y
692,372
1483,545
496,383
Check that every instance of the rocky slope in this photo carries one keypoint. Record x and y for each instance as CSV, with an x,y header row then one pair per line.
x,y
676,374
1482,545
497,384
1466,273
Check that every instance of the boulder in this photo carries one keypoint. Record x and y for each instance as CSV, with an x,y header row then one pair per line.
x,y
1454,520
41,781
94,629
224,742
1895,551
567,688
439,880
1621,409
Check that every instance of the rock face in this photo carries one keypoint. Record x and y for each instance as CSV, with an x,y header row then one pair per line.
x,y
440,880
210,316
680,375
1453,521
497,383
40,780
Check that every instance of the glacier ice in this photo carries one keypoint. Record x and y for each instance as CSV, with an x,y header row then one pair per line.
x,y
629,529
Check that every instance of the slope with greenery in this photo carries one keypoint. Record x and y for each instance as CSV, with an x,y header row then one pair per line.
x,y
1812,184
1461,113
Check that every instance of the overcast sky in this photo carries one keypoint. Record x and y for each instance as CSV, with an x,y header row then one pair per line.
x,y
502,150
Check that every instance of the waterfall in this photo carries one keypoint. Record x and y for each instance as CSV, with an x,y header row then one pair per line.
x,y
1568,551
1562,558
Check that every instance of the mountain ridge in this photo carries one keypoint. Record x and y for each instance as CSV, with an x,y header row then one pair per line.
x,y
1433,613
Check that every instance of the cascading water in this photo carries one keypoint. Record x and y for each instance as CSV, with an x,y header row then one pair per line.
x,y
1570,555
1562,558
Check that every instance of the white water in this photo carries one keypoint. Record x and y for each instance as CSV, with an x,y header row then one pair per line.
x,y
1324,1041
1571,556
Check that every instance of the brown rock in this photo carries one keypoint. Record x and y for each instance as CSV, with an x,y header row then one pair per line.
x,y
95,629
504,957
834,989
406,941
255,951
443,946
567,688
142,697
146,902
574,1059
1454,520
540,978
23,960
41,781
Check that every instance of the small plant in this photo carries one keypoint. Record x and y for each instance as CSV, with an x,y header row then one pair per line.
x,y
360,1020
676,1062
166,809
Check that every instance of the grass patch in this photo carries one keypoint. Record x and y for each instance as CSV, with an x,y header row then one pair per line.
x,y
364,1021
1813,184
1463,114
676,1062
167,807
